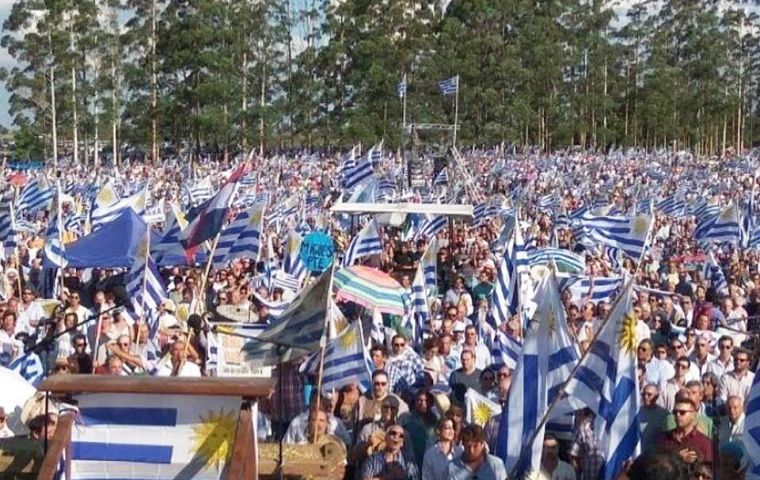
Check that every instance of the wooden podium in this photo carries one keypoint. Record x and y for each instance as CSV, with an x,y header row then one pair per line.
x,y
243,459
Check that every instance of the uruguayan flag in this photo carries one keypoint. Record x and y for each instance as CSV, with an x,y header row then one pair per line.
x,y
145,287
152,436
300,327
442,178
366,242
346,360
478,408
360,172
607,383
420,308
722,228
291,262
137,202
592,289
432,226
672,206
30,367
55,253
429,262
168,246
628,234
546,361
751,437
506,292
36,195
8,229
505,350
401,88
714,274
449,86
242,237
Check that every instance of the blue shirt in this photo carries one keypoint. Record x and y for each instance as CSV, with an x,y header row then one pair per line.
x,y
492,469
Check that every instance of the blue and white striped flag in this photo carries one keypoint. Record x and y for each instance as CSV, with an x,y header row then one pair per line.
x,y
546,361
712,272
722,228
291,262
450,86
607,383
401,88
102,215
152,436
300,327
346,360
672,206
145,287
30,367
366,242
36,195
242,237
629,234
362,170
751,437
429,263
8,229
592,289
420,307
431,227
54,251
442,178
505,350
506,292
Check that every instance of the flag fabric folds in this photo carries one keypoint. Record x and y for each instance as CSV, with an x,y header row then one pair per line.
x,y
607,382
242,238
506,292
54,251
546,361
479,409
751,438
629,234
208,222
299,328
102,215
450,86
366,242
714,274
145,287
346,360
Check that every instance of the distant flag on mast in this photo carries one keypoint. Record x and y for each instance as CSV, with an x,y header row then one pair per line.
x,y
450,86
401,88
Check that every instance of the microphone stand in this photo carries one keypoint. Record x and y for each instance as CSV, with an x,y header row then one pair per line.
x,y
38,345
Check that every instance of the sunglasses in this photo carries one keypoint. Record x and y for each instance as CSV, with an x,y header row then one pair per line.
x,y
80,345
681,413
382,384
395,433
400,345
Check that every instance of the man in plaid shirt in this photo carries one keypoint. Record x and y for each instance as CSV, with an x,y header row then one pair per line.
x,y
585,455
408,365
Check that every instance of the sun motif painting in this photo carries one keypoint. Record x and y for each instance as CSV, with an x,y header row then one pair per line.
x,y
213,437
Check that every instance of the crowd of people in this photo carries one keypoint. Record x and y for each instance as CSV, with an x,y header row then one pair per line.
x,y
414,417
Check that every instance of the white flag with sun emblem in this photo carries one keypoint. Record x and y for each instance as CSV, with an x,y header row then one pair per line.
x,y
479,408
629,234
153,436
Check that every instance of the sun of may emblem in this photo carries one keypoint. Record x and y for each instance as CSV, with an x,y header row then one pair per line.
x,y
105,196
627,336
727,214
347,340
640,225
481,413
213,437
142,249
256,217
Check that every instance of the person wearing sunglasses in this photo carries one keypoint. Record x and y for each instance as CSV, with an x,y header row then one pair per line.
x,y
686,441
369,407
392,461
739,381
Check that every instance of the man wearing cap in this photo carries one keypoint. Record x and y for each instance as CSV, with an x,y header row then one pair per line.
x,y
166,318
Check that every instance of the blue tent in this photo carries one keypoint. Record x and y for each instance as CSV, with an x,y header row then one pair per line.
x,y
113,245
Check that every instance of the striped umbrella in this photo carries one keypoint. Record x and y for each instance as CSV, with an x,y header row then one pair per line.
x,y
370,288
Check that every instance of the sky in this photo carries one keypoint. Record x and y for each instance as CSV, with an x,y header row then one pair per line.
x,y
7,62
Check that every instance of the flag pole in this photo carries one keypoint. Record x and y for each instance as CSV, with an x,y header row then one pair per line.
x,y
456,111
323,342
204,280
404,104
561,393
144,283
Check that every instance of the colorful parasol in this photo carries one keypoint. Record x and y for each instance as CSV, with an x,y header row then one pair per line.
x,y
370,288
